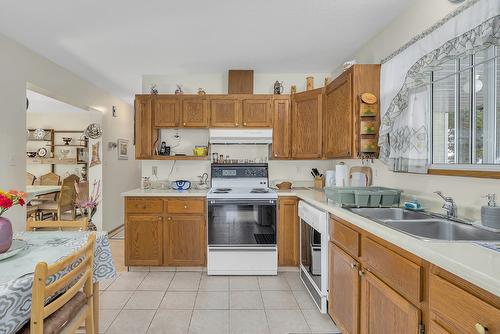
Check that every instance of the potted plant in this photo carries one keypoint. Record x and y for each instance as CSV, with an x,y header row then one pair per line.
x,y
8,200
88,206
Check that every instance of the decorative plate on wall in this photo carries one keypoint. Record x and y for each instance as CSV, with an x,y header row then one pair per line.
x,y
39,134
93,131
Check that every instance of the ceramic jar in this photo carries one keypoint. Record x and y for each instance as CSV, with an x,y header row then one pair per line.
x,y
5,234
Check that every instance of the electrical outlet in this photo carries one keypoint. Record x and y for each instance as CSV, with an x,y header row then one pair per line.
x,y
154,170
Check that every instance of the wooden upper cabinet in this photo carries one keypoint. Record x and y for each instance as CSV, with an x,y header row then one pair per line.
x,y
383,310
185,240
256,112
281,129
166,111
338,118
143,127
288,232
307,124
194,113
144,241
224,112
343,289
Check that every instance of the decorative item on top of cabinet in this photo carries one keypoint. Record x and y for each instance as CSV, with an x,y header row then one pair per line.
x,y
307,124
240,82
154,89
256,112
310,83
281,128
293,89
201,91
288,232
179,90
278,87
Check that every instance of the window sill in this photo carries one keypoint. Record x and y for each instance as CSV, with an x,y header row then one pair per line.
x,y
484,174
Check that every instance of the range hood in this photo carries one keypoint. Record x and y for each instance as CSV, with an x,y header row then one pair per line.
x,y
241,136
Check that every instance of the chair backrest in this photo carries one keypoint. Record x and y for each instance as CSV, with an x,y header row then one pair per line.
x,y
77,278
61,225
50,179
30,179
67,196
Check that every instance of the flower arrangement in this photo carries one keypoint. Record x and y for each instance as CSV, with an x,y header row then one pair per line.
x,y
10,198
89,205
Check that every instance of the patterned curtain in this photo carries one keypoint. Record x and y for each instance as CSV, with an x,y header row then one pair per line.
x,y
405,106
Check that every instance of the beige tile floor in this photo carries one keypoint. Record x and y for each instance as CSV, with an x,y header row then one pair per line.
x,y
192,302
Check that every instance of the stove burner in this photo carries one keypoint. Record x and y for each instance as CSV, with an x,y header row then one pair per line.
x,y
259,191
221,190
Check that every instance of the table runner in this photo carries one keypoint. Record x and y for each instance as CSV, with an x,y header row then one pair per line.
x,y
16,273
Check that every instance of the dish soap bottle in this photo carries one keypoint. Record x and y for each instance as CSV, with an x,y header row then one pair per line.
x,y
490,215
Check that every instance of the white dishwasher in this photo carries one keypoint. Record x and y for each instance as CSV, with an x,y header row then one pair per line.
x,y
314,239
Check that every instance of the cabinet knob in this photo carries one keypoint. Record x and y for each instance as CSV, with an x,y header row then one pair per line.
x,y
480,329
244,124
159,218
275,154
236,124
184,123
185,206
354,265
361,272
169,218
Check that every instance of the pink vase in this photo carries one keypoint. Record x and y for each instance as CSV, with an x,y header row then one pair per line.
x,y
5,234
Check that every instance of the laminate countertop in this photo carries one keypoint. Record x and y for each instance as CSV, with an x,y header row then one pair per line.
x,y
468,260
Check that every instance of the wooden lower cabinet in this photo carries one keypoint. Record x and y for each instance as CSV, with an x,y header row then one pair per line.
x,y
343,295
184,241
383,310
143,240
288,232
175,235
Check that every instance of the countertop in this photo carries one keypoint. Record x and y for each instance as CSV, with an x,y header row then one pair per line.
x,y
470,261
165,193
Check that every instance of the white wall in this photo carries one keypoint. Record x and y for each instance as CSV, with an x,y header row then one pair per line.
x,y
466,191
22,68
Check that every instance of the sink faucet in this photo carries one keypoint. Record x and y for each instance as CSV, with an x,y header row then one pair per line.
x,y
449,205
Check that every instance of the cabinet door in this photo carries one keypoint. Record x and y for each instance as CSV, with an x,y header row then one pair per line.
x,y
143,128
343,290
184,241
307,125
224,113
166,111
194,113
338,125
288,232
256,113
143,240
281,129
384,311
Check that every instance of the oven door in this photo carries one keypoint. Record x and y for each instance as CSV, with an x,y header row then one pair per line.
x,y
310,252
242,222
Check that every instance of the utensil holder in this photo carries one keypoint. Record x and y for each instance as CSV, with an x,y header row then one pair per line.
x,y
319,182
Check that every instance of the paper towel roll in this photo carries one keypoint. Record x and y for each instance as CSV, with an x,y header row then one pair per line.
x,y
330,178
341,175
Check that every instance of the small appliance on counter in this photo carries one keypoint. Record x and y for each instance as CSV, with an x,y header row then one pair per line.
x,y
490,214
181,185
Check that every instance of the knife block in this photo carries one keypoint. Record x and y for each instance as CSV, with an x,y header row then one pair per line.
x,y
319,182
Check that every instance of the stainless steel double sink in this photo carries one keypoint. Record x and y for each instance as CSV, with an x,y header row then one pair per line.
x,y
425,225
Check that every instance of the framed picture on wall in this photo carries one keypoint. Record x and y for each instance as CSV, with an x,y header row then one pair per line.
x,y
122,149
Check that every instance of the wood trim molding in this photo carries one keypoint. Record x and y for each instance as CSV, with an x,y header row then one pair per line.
x,y
466,173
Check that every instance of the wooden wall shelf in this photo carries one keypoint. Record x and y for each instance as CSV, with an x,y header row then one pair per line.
x,y
53,161
179,157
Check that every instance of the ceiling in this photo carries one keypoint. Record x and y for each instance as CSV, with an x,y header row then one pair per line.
x,y
113,43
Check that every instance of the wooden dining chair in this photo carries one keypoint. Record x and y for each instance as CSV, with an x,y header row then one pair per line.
x,y
49,179
30,179
65,201
61,225
71,308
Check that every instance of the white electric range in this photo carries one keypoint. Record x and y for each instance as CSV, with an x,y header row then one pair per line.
x,y
242,217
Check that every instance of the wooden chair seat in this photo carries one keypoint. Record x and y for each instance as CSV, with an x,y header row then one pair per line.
x,y
58,321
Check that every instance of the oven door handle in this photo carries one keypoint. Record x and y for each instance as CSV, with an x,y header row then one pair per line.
x,y
250,249
242,201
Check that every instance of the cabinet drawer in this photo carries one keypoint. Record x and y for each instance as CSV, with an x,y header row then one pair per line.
x,y
460,310
345,237
187,206
144,205
399,273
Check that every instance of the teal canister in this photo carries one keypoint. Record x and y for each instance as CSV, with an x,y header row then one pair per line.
x,y
490,214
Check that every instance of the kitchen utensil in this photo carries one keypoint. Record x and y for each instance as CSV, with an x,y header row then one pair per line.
x,y
181,185
285,185
319,182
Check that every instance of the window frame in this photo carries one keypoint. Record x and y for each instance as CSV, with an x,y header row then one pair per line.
x,y
473,169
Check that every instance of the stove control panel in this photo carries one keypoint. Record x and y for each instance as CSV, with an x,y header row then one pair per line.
x,y
239,171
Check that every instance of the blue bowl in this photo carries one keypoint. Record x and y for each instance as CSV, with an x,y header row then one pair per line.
x,y
181,185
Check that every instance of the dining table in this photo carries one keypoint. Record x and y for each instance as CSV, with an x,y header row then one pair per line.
x,y
37,190
17,272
